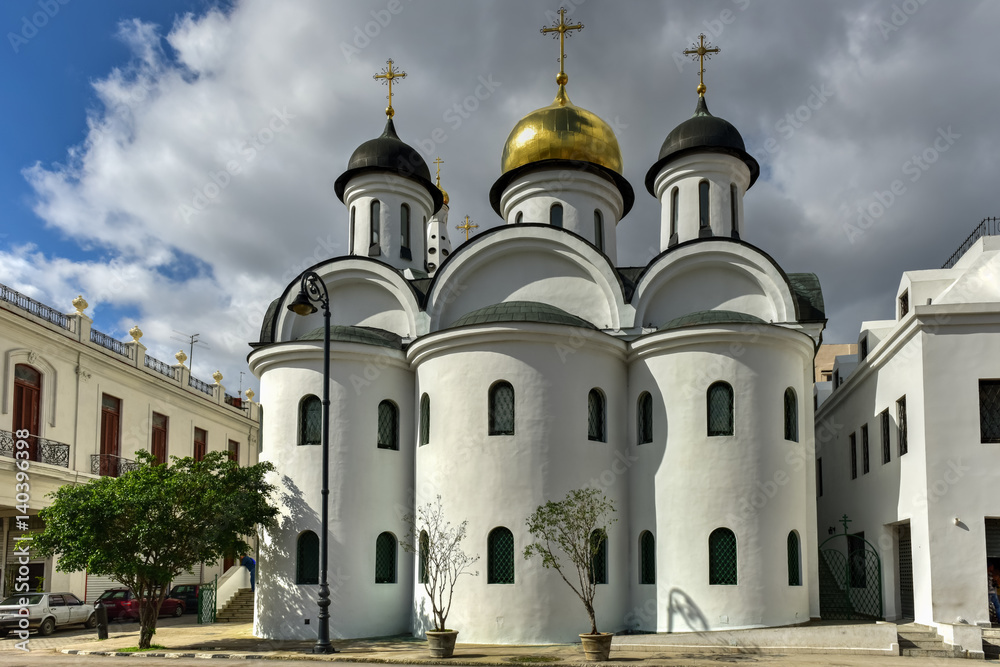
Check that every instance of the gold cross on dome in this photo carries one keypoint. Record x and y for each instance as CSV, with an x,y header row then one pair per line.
x,y
469,225
439,162
701,52
562,28
387,75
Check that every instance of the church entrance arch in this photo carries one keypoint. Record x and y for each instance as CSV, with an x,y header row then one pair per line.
x,y
850,578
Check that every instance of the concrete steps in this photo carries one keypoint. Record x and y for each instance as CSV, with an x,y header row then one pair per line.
x,y
237,610
991,643
917,640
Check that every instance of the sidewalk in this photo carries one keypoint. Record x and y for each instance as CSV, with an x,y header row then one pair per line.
x,y
234,640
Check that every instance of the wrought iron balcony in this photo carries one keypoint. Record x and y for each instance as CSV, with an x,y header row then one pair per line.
x,y
36,308
159,366
109,465
109,343
201,386
41,450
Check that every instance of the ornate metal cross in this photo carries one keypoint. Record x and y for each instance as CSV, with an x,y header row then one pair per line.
x,y
562,28
469,225
701,52
387,75
844,520
439,162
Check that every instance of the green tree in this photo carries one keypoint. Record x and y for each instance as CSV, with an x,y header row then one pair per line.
x,y
566,526
155,522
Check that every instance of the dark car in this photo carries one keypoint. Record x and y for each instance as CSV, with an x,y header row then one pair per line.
x,y
120,603
188,594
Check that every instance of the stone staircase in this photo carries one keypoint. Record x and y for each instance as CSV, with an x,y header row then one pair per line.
x,y
923,641
237,610
991,643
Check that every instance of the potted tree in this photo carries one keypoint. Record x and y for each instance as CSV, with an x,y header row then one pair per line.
x,y
577,527
438,546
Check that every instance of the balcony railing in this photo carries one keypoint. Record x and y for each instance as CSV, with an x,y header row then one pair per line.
x,y
36,308
988,227
109,343
234,401
109,465
199,385
41,450
159,366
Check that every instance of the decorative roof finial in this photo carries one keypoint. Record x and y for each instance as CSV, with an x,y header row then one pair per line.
x,y
80,304
136,333
387,75
438,162
562,28
217,376
180,357
467,227
701,52
250,394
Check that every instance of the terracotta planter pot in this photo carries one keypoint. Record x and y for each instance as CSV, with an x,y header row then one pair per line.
x,y
597,647
442,644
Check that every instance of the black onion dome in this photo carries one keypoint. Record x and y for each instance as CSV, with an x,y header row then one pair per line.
x,y
389,153
702,133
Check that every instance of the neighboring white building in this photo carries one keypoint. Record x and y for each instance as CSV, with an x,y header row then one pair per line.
x,y
529,365
90,402
908,445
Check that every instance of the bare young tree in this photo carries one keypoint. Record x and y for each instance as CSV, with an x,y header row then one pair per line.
x,y
578,527
438,545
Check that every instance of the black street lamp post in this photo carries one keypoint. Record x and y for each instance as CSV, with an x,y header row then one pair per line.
x,y
313,290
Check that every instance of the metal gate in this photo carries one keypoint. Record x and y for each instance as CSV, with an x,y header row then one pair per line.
x,y
850,578
905,571
206,601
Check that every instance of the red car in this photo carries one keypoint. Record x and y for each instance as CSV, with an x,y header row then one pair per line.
x,y
120,603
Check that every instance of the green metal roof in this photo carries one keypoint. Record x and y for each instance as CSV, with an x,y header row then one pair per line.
x,y
808,297
712,317
363,335
522,311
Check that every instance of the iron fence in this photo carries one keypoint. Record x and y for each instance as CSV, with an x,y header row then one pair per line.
x,y
201,386
109,465
47,313
988,227
159,366
109,343
41,450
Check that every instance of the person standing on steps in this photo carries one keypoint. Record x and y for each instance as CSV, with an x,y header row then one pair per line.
x,y
250,564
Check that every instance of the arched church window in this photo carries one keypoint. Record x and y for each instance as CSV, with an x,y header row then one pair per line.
x,y
501,409
425,546
598,230
425,419
404,226
647,558
720,409
519,218
791,416
598,572
722,557
794,563
388,425
350,240
556,215
307,558
675,197
704,222
596,416
310,421
734,211
500,556
385,559
376,221
644,418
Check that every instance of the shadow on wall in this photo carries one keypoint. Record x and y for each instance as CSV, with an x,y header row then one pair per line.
x,y
422,617
681,609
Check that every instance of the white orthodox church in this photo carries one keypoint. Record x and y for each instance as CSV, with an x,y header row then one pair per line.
x,y
682,389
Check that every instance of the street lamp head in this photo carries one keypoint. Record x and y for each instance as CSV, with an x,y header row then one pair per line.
x,y
302,305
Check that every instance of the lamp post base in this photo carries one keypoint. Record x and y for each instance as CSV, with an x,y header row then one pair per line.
x,y
322,650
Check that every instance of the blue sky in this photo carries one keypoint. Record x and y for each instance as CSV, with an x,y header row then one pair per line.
x,y
122,114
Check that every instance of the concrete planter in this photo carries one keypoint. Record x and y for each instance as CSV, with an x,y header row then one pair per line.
x,y
597,647
442,644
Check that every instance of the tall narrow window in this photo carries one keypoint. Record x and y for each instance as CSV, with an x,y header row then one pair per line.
x,y
111,426
375,225
350,240
200,443
260,428
307,558
734,211
423,576
556,215
501,409
644,418
647,558
884,424
233,450
388,425
27,405
865,464
854,455
425,419
904,304
596,416
598,557
310,421
720,409
704,221
989,410
794,561
404,226
500,556
159,439
901,425
819,477
722,558
385,559
519,218
598,230
791,416
675,199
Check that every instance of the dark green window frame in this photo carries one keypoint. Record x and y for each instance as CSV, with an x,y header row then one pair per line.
x,y
423,576
720,409
388,425
598,571
500,556
307,558
722,558
501,408
385,559
647,558
310,420
794,560
597,416
644,418
791,416
425,419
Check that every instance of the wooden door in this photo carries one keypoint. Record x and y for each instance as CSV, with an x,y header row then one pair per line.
x,y
27,405
110,435
159,444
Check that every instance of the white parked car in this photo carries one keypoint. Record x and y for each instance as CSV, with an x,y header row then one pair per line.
x,y
46,612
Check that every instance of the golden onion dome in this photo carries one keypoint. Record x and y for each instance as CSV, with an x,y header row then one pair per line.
x,y
561,131
443,192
